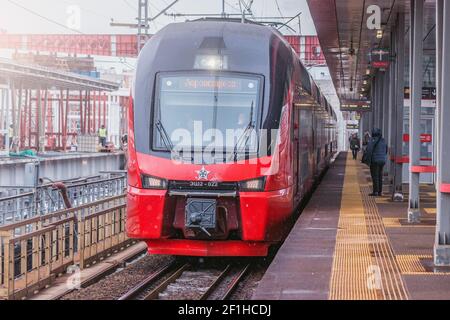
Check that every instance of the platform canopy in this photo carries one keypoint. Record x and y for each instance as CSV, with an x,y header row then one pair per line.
x,y
347,42
35,77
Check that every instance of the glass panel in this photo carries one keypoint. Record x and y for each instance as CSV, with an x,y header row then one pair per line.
x,y
426,131
199,111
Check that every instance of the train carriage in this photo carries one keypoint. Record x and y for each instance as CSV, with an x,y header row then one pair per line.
x,y
227,134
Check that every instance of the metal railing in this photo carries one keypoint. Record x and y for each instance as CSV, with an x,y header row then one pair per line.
x,y
46,199
35,250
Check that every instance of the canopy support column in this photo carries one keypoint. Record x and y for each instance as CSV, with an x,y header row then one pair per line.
x,y
442,240
416,101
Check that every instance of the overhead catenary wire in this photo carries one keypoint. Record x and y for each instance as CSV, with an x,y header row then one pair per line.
x,y
248,7
123,62
232,6
130,5
165,1
57,23
43,17
278,8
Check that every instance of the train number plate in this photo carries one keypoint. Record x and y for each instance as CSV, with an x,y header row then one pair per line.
x,y
201,213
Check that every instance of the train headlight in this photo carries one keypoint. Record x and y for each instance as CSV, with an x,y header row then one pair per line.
x,y
149,182
211,62
254,185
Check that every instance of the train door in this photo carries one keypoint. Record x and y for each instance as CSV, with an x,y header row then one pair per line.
x,y
305,149
295,153
314,143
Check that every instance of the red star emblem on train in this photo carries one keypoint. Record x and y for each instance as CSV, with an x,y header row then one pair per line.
x,y
202,174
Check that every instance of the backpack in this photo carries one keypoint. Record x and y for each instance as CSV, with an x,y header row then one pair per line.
x,y
367,156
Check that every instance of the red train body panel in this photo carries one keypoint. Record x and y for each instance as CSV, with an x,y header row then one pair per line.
x,y
238,201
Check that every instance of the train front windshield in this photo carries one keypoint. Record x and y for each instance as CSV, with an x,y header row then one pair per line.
x,y
198,112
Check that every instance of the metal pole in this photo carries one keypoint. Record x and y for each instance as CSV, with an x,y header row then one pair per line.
x,y
81,113
44,118
361,126
223,8
383,81
139,26
6,113
442,240
399,102
391,106
39,119
385,115
374,107
414,121
18,119
375,103
142,23
13,114
438,118
379,100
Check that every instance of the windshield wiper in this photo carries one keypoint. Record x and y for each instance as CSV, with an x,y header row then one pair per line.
x,y
164,136
245,135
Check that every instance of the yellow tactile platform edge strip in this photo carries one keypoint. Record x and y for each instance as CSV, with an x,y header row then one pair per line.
x,y
393,287
410,263
352,258
364,267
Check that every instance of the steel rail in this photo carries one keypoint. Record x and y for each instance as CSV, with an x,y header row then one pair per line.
x,y
216,283
160,288
233,285
141,286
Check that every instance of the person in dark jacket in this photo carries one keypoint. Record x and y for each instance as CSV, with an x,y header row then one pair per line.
x,y
375,156
354,145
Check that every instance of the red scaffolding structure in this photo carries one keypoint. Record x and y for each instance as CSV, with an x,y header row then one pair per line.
x,y
49,108
125,45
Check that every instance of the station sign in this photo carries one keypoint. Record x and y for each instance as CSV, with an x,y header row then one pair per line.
x,y
352,126
379,58
424,138
356,105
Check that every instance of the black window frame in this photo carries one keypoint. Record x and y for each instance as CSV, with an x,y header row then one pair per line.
x,y
155,105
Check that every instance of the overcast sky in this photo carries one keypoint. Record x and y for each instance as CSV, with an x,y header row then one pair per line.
x,y
51,16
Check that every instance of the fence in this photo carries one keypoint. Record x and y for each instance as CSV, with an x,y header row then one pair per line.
x,y
46,199
34,251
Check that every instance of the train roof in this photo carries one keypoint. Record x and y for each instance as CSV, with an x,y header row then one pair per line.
x,y
221,28
176,46
170,46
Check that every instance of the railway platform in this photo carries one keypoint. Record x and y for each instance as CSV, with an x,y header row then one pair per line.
x,y
347,245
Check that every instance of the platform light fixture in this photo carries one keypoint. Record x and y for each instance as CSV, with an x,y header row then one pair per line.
x,y
379,34
211,62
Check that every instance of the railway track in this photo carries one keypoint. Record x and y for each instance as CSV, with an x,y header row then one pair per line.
x,y
185,281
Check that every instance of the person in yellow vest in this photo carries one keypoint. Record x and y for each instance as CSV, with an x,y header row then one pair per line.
x,y
102,134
